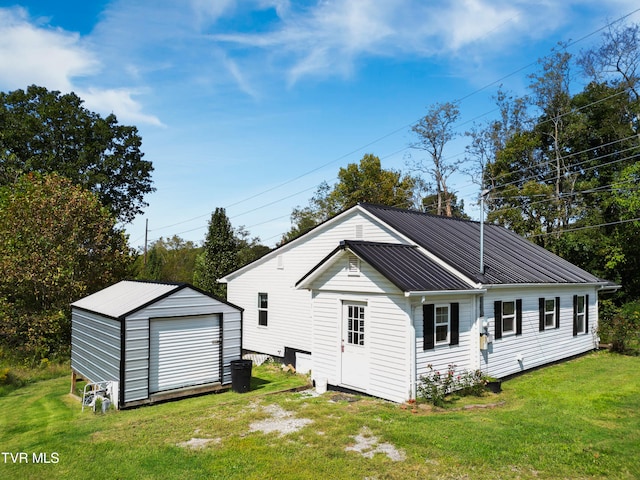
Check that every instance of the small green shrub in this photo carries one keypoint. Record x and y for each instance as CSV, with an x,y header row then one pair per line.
x,y
5,376
620,327
436,385
472,382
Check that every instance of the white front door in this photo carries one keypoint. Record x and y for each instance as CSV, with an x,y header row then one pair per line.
x,y
355,365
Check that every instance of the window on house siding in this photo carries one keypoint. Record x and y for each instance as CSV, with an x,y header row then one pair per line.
x,y
549,313
280,262
580,314
263,304
441,324
507,317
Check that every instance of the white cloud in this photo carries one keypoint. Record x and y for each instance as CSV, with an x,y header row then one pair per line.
x,y
120,102
33,53
38,55
330,36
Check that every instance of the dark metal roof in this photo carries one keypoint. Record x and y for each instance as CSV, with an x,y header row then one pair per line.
x,y
406,266
508,257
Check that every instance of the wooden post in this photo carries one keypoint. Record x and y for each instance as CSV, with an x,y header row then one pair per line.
x,y
73,382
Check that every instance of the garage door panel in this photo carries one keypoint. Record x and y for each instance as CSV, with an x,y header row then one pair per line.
x,y
184,352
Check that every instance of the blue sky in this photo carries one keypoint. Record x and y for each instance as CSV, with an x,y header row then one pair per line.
x,y
250,104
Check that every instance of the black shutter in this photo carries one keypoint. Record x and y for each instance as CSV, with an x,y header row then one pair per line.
x,y
519,316
575,315
586,314
497,313
428,314
541,311
455,324
557,312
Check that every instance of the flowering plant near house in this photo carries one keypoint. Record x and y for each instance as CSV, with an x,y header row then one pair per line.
x,y
436,385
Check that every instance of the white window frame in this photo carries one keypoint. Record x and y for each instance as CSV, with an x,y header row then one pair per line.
x,y
511,316
550,313
263,311
356,318
581,317
438,315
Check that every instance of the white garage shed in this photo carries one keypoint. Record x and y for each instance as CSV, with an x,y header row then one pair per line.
x,y
157,340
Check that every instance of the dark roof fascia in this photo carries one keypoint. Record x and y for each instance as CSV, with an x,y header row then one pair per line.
x,y
178,286
319,265
351,245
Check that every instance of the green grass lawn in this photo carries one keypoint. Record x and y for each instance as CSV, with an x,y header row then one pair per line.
x,y
579,419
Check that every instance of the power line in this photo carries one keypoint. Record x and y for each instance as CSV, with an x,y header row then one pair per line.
x,y
394,132
587,227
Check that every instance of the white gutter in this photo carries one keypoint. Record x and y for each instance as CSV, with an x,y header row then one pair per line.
x,y
603,285
446,292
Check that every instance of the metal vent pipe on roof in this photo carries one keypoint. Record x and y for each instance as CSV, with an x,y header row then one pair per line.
x,y
483,194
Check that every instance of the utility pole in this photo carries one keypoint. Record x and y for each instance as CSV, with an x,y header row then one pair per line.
x,y
146,234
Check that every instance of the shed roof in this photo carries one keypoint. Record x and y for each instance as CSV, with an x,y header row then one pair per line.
x,y
508,257
126,297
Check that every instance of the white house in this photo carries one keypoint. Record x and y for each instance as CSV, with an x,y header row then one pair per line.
x,y
376,294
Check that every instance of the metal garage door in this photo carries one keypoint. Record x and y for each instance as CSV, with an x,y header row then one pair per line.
x,y
184,351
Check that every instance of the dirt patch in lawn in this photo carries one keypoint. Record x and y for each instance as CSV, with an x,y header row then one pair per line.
x,y
280,421
368,445
197,443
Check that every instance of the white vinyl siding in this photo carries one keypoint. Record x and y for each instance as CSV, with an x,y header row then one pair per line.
x,y
535,347
444,354
289,308
386,329
385,340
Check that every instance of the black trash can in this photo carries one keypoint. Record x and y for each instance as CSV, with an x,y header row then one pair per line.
x,y
241,375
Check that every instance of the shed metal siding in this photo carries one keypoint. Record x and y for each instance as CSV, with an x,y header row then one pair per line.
x,y
108,344
95,346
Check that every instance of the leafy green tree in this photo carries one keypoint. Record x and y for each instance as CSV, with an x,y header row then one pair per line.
x,y
45,131
219,255
365,181
568,179
169,260
57,244
249,249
